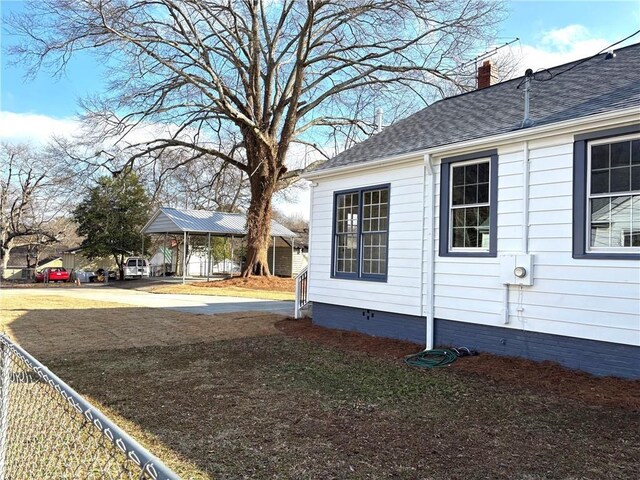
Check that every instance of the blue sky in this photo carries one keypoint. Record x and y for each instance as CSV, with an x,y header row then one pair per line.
x,y
550,32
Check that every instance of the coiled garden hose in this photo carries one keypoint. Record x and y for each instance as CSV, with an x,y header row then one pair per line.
x,y
437,357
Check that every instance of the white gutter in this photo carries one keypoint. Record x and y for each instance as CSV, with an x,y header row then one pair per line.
x,y
430,235
552,129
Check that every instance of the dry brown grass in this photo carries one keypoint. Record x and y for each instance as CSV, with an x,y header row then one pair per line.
x,y
227,397
49,325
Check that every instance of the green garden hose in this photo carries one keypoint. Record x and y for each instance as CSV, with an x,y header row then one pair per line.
x,y
431,358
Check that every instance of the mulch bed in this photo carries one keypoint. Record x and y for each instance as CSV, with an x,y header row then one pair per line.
x,y
515,372
270,284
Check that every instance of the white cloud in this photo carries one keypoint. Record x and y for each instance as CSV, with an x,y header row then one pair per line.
x,y
34,128
558,46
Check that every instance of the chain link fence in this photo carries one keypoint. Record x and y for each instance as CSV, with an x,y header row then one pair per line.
x,y
48,431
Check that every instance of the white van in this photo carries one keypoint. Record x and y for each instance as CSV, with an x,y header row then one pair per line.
x,y
136,267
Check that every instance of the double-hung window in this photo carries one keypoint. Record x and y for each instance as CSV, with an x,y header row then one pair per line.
x,y
361,233
607,196
468,207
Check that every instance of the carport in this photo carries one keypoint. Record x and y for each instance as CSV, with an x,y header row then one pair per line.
x,y
206,223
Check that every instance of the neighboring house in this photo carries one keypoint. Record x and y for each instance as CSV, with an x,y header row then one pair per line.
x,y
74,259
466,224
291,257
18,269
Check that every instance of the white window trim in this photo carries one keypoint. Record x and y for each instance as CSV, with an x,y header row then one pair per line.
x,y
589,197
454,165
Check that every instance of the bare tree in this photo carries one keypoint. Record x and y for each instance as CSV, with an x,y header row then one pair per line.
x,y
240,80
33,194
176,179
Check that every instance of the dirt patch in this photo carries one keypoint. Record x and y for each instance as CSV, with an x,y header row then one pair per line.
x,y
50,325
540,377
271,284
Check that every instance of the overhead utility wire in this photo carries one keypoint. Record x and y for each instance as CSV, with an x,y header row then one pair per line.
x,y
554,75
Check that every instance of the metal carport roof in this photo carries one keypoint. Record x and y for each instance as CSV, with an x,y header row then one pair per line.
x,y
178,221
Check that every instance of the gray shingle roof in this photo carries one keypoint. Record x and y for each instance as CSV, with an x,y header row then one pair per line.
x,y
205,221
595,86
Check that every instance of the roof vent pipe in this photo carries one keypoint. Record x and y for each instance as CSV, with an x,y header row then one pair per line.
x,y
527,122
378,120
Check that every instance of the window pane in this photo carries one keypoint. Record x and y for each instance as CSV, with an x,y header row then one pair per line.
x,y
471,217
599,157
374,253
458,196
635,178
620,219
471,237
600,182
458,217
612,221
458,237
483,217
483,172
458,176
471,174
470,194
483,193
384,210
632,237
635,152
620,154
621,179
384,196
600,213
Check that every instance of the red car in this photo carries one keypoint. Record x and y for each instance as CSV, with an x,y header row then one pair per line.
x,y
53,274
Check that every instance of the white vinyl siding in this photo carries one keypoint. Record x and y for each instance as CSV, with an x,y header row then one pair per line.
x,y
593,299
401,292
586,298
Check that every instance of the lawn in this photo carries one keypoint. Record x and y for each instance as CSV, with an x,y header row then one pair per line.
x,y
296,401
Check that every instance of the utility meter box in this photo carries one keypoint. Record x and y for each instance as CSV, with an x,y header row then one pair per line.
x,y
516,269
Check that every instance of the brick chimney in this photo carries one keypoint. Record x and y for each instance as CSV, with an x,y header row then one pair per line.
x,y
487,74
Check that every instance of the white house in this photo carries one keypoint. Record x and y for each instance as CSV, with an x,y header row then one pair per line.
x,y
469,224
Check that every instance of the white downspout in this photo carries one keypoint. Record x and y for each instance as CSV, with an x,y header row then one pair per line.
x,y
430,234
422,246
525,198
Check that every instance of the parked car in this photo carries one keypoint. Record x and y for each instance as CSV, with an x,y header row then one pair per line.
x,y
52,274
136,267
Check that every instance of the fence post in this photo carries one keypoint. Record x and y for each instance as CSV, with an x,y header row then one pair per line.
x,y
5,387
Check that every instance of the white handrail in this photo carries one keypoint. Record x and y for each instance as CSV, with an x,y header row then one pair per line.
x,y
302,288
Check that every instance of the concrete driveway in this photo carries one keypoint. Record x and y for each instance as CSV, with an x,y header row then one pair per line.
x,y
201,304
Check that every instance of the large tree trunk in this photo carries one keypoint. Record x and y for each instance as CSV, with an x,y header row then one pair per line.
x,y
6,252
259,225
